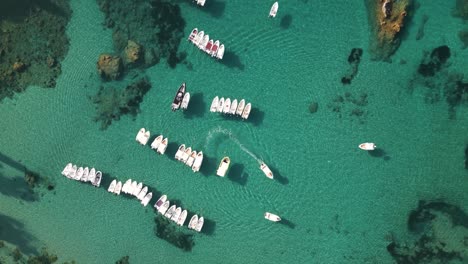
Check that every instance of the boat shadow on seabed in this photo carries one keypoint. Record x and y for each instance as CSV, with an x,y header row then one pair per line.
x,y
196,106
214,8
278,177
287,223
232,60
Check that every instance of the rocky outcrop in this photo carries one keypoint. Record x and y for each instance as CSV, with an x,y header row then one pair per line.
x,y
133,53
354,59
109,67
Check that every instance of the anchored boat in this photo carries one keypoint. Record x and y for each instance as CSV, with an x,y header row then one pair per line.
x,y
223,166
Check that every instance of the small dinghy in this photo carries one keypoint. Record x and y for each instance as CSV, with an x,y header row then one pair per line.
x,y
198,161
191,159
214,49
220,105
272,217
193,222
246,112
132,188
137,190
220,53
140,134
164,207
185,101
201,2
156,142
199,225
193,35
199,38
118,188
180,152
127,186
67,169
163,146
223,166
367,146
214,105
178,98
79,173
204,42
97,179
142,193
186,154
92,175
85,175
227,106
266,170
112,186
176,214
182,218
170,211
233,109
146,200
71,174
208,46
273,10
143,136
240,107
160,202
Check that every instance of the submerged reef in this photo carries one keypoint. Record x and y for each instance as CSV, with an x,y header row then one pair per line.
x,y
353,59
351,105
11,254
166,230
433,63
461,9
123,260
440,233
32,43
112,102
387,19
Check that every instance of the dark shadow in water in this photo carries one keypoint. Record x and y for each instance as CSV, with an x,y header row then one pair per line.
x,y
17,10
16,187
12,163
278,177
286,21
171,150
214,8
287,223
256,116
167,230
209,166
231,60
209,227
13,231
236,174
196,106
379,153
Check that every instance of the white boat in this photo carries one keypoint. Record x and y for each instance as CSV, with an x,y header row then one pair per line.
x,y
203,42
140,134
227,106
142,193
272,217
143,136
97,179
67,169
200,223
176,214
273,10
193,222
220,53
92,175
246,112
199,37
147,199
191,159
233,109
178,98
186,154
163,146
132,187
185,101
266,170
193,35
85,175
208,46
156,142
220,105
367,146
223,166
118,188
163,209
79,173
240,107
71,174
160,202
214,49
179,152
182,218
127,186
112,186
137,190
214,105
198,162
170,211
201,2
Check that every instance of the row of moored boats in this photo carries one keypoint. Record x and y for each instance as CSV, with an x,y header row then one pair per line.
x,y
159,143
189,157
225,106
131,188
203,42
177,215
82,174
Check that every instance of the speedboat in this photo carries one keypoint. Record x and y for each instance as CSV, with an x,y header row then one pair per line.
x,y
204,42
140,134
85,175
176,214
220,53
112,186
266,170
214,105
273,10
186,155
200,223
193,222
127,186
199,37
67,169
272,217
191,159
367,146
178,97
179,152
240,107
163,209
220,105
137,190
97,179
92,175
147,198
223,166
170,211
185,101
214,49
193,35
201,2
118,188
160,202
227,106
156,142
208,46
182,218
246,112
198,161
79,173
142,193
71,174
132,187
233,107
163,146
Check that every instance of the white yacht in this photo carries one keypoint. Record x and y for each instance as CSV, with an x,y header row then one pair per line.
x,y
198,162
180,152
227,106
193,222
163,146
273,10
182,218
272,217
233,109
246,112
118,188
112,186
200,223
156,142
220,53
266,170
240,107
146,199
214,105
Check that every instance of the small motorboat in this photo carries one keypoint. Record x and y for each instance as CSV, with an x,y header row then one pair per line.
x,y
156,142
191,159
160,202
227,106
273,10
170,211
132,187
97,179
201,2
179,152
246,112
214,105
176,214
140,134
118,188
367,146
208,46
163,146
223,166
193,222
233,109
199,38
92,175
214,49
240,107
147,198
137,190
127,186
71,174
79,173
220,105
186,154
266,170
204,42
182,218
193,35
178,98
67,169
200,223
272,217
198,161
112,186
185,101
143,136
220,53
142,193
163,209
85,175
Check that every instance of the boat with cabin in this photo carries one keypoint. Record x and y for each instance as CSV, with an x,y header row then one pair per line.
x,y
214,49
272,217
97,179
67,169
137,190
220,105
198,161
193,35
92,175
178,98
367,146
208,46
127,186
186,155
142,193
79,173
164,207
163,146
170,211
85,175
176,214
204,42
160,202
223,166
180,152
266,170
273,10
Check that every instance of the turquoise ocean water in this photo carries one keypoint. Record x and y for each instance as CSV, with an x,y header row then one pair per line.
x,y
341,202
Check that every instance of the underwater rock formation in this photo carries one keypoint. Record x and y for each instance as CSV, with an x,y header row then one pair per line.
x,y
313,107
351,104
11,254
123,260
386,19
111,102
167,230
109,67
354,59
432,64
132,52
32,33
420,33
